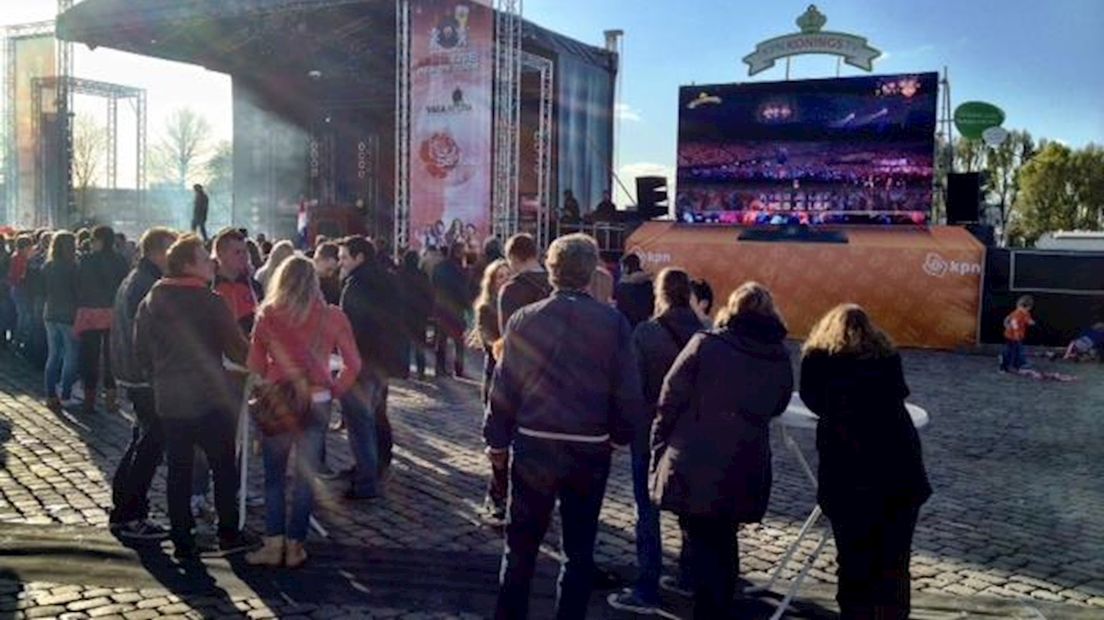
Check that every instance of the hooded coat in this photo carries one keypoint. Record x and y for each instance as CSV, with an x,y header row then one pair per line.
x,y
711,453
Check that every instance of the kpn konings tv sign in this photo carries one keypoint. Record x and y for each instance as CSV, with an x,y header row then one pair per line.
x,y
853,49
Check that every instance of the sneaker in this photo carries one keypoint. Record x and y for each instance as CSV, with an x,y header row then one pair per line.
x,y
629,600
676,586
54,404
237,542
140,530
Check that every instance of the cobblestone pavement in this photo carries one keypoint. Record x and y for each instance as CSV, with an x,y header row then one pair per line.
x,y
1016,514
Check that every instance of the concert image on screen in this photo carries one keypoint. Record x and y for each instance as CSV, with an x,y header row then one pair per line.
x,y
837,151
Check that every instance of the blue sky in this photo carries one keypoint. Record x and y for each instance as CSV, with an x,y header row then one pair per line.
x,y
1042,62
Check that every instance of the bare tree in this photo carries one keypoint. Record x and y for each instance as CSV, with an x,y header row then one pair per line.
x,y
89,153
180,155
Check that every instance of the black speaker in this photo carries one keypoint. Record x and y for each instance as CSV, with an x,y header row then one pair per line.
x,y
963,197
651,197
984,233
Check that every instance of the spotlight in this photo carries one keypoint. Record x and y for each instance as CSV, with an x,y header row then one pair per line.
x,y
315,74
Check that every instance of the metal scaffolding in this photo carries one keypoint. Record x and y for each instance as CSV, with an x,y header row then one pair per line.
x,y
12,35
546,211
507,116
58,210
402,126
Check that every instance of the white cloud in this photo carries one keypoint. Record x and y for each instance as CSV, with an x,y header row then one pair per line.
x,y
629,172
626,112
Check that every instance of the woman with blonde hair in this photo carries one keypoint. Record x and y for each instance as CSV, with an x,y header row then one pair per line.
x,y
295,335
282,251
486,334
871,478
711,456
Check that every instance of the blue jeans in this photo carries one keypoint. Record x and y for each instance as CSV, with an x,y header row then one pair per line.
x,y
308,457
358,408
62,362
1013,357
649,550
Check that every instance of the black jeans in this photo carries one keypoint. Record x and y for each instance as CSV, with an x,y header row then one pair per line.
x,y
441,340
131,484
714,564
874,545
200,226
94,347
213,433
542,471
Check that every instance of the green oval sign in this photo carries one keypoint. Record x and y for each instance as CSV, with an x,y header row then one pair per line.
x,y
974,117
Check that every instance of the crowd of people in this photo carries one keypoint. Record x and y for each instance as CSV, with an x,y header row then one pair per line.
x,y
579,358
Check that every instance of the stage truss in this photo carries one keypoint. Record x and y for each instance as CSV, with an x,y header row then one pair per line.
x,y
545,213
56,216
402,127
507,117
12,35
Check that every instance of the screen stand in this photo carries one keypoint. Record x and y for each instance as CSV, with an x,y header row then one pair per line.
x,y
796,234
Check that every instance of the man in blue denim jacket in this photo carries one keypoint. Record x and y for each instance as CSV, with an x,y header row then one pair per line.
x,y
565,389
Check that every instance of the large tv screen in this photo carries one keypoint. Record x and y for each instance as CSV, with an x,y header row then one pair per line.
x,y
818,152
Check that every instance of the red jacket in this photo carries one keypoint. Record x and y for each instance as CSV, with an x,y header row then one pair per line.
x,y
282,350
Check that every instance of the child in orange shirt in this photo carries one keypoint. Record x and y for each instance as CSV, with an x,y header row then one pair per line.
x,y
1015,330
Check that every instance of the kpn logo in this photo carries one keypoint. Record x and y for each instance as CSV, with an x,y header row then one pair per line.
x,y
939,267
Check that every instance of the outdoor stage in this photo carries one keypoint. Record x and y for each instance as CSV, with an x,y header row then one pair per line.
x,y
922,286
410,114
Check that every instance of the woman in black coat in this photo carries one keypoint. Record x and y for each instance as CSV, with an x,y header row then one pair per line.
x,y
711,457
871,474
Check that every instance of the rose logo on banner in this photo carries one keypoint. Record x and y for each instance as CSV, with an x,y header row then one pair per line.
x,y
854,50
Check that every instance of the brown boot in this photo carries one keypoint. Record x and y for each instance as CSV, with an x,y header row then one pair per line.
x,y
89,404
271,554
111,401
295,555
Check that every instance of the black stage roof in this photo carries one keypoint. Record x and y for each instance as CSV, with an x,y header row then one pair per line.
x,y
341,38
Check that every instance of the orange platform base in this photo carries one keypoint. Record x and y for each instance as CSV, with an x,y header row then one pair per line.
x,y
922,286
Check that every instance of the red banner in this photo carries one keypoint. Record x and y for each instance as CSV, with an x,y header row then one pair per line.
x,y
452,68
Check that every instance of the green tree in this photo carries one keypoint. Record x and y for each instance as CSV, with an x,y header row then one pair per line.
x,y
1003,165
181,153
969,155
89,152
1048,194
1088,164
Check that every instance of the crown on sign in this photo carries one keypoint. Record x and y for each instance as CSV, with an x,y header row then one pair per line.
x,y
812,20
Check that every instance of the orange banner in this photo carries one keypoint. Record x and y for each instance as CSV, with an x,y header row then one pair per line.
x,y
922,287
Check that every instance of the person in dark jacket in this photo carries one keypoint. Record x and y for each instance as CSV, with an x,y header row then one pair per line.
x,y
183,330
417,298
657,342
369,304
60,282
450,300
485,336
98,278
564,390
727,383
633,294
528,285
871,478
199,211
328,268
134,475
